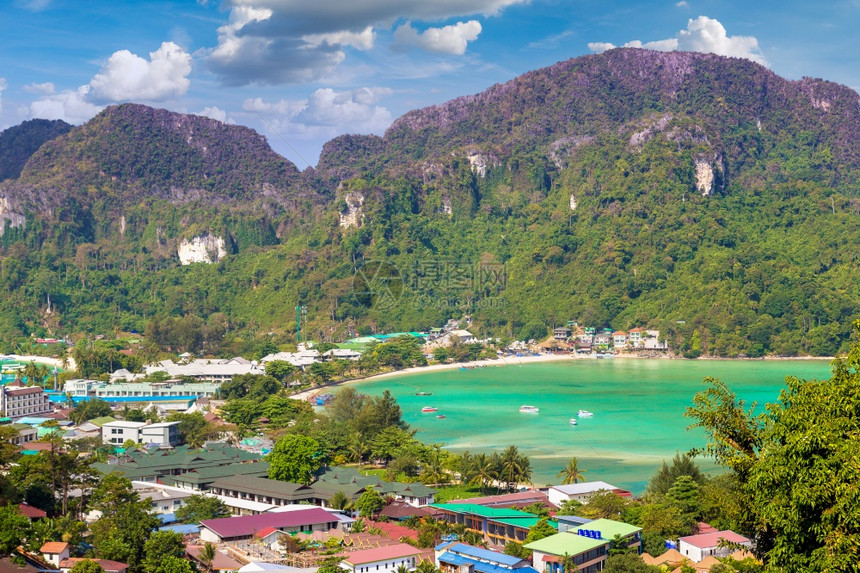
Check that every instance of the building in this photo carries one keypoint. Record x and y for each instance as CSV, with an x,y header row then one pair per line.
x,y
276,492
30,512
558,494
17,401
54,552
456,557
415,494
497,525
517,500
697,547
120,431
80,388
190,463
635,336
561,333
244,527
206,370
163,500
619,339
26,434
341,354
587,553
382,559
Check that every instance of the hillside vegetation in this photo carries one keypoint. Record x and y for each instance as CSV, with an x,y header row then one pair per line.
x,y
701,195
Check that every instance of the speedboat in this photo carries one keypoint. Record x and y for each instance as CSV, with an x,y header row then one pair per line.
x,y
584,414
428,409
441,417
573,421
423,393
529,409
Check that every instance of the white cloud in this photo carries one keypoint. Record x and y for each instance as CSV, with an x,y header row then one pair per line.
x,y
215,113
447,40
70,105
325,114
290,41
702,35
46,88
127,76
682,4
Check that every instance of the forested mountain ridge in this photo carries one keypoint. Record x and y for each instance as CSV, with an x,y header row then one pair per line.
x,y
701,195
18,143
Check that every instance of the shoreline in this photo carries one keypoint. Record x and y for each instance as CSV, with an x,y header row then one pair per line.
x,y
44,360
518,361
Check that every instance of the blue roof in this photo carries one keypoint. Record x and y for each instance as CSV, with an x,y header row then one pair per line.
x,y
167,517
484,554
182,528
574,519
480,566
32,420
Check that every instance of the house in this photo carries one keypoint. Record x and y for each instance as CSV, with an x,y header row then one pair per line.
x,y
26,434
268,536
587,553
55,551
246,526
17,401
163,500
602,339
636,336
697,547
456,557
341,354
497,525
382,559
558,494
561,333
400,511
462,336
106,564
31,512
221,562
619,339
120,431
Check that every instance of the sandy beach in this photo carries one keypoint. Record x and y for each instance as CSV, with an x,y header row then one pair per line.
x,y
506,361
58,362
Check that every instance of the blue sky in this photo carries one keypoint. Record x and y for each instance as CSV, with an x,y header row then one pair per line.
x,y
303,71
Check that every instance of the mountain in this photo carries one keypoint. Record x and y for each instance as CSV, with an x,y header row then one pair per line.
x,y
697,194
18,143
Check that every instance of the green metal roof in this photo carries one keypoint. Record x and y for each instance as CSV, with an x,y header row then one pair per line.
x,y
565,543
102,420
495,513
609,528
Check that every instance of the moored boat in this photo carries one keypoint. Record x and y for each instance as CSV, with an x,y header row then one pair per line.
x,y
573,421
584,414
428,409
423,393
524,409
441,417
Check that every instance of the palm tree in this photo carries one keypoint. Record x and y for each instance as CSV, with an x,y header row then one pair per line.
x,y
473,538
426,567
358,448
207,556
571,472
483,471
515,466
340,501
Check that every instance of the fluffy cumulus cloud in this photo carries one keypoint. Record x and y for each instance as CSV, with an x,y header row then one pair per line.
x,y
447,40
124,77
325,113
703,34
127,76
291,41
216,113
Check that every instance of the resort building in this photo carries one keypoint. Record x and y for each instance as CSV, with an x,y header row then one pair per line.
x,y
17,401
697,547
162,433
516,500
80,388
587,547
275,492
415,494
558,494
561,333
142,465
383,559
456,557
497,525
246,526
163,500
207,370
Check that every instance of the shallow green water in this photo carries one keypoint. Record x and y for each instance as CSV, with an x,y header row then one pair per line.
x,y
638,408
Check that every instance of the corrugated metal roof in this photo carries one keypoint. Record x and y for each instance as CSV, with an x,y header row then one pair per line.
x,y
244,525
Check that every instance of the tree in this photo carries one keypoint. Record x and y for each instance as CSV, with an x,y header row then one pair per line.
x,y
280,370
295,459
571,472
207,556
569,507
173,564
628,563
89,409
517,550
340,501
87,566
194,429
515,467
159,546
795,464
682,464
604,504
540,530
126,522
369,503
685,495
199,507
14,528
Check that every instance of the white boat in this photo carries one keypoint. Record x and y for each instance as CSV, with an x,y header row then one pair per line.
x,y
428,409
573,421
584,414
529,409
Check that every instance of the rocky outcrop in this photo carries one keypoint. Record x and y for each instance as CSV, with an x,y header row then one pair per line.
x,y
202,249
706,175
9,217
353,215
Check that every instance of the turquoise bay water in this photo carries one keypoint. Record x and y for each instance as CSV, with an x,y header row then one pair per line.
x,y
638,407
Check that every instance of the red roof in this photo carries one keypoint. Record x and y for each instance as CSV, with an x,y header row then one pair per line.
x,y
222,561
402,510
382,554
108,565
23,391
705,540
266,531
248,525
509,499
54,547
31,512
393,530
